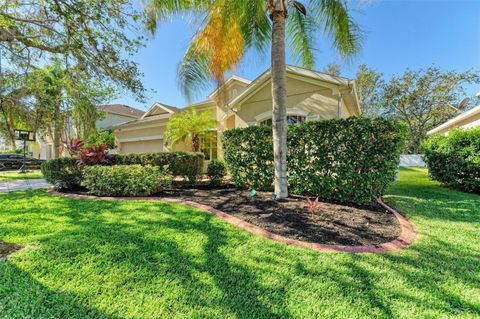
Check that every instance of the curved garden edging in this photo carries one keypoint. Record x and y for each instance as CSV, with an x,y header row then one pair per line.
x,y
406,237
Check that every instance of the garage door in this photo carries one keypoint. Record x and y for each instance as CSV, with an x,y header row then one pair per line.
x,y
141,147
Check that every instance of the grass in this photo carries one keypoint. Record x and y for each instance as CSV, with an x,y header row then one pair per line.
x,y
11,176
104,259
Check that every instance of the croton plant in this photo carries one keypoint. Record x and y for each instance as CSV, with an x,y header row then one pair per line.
x,y
90,155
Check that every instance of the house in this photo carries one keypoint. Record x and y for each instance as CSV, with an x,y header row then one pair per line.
x,y
114,114
466,120
239,103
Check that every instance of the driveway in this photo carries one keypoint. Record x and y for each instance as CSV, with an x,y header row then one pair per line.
x,y
20,185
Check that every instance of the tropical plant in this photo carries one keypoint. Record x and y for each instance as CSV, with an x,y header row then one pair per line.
x,y
312,205
189,125
229,27
90,155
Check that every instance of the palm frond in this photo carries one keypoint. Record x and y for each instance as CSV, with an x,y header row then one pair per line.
x,y
156,11
334,17
300,37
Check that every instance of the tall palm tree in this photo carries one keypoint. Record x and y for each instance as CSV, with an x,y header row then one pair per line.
x,y
227,28
190,125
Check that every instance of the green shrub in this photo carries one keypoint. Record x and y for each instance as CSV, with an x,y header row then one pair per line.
x,y
216,171
186,164
126,180
62,173
103,137
349,160
455,159
249,156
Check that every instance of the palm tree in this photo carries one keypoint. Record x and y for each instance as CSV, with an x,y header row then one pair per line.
x,y
227,28
190,125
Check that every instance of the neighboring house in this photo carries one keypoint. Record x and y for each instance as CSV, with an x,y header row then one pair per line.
x,y
114,114
466,120
240,103
117,114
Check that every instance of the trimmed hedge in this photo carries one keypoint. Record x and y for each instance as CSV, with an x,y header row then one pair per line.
x,y
348,160
455,159
216,171
66,173
126,180
62,172
186,164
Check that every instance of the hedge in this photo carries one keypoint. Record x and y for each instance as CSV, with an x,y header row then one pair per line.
x,y
126,180
348,160
216,171
62,172
455,159
186,164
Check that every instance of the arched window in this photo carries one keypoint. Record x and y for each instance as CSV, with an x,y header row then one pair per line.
x,y
291,119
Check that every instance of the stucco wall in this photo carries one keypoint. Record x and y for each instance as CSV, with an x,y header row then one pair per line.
x,y
471,122
141,147
319,102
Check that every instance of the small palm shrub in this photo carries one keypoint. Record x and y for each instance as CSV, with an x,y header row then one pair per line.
x,y
216,171
126,180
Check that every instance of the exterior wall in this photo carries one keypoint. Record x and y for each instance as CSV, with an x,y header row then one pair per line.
x,y
319,103
141,147
312,100
112,119
471,122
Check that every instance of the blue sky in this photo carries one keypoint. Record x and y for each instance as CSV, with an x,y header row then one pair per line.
x,y
399,34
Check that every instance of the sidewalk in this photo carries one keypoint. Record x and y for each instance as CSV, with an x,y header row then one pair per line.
x,y
20,185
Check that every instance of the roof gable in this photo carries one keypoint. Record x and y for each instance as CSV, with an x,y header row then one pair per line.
x,y
312,77
160,109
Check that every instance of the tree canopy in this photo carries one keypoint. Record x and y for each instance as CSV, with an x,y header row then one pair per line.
x,y
96,36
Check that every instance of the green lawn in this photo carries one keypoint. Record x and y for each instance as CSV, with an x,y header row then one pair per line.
x,y
104,259
10,176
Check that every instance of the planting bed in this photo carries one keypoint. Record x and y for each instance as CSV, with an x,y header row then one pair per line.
x,y
332,224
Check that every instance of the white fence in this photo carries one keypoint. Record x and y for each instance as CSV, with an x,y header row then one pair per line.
x,y
412,160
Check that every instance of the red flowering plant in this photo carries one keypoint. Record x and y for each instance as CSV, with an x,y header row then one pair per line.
x,y
312,205
90,155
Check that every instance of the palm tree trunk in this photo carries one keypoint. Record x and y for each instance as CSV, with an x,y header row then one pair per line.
x,y
279,94
196,143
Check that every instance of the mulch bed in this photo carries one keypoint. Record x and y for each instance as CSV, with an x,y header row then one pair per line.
x,y
7,249
333,223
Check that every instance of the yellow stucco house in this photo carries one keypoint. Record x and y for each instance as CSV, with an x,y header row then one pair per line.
x,y
465,120
240,103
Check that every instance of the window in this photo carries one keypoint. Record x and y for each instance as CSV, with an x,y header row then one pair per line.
x,y
291,119
266,122
295,119
208,146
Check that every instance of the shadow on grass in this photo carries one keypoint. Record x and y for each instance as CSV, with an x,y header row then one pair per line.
x,y
22,296
152,265
166,261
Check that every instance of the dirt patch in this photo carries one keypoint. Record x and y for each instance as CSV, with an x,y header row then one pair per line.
x,y
333,224
6,249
